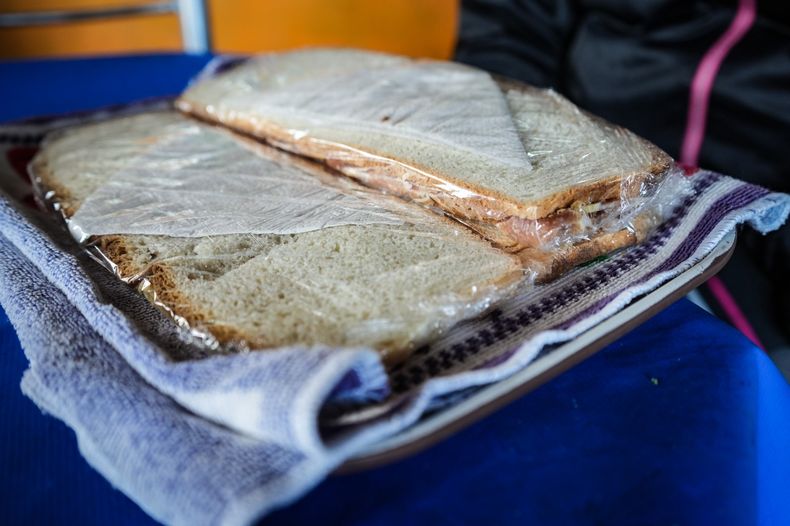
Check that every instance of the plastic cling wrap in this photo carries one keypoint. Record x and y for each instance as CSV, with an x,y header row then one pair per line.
x,y
522,166
251,248
191,181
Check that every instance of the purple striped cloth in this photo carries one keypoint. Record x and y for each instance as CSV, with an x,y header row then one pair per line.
x,y
203,439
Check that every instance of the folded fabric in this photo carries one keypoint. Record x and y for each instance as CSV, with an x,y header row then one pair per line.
x,y
204,438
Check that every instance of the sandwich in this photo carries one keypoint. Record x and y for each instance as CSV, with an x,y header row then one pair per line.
x,y
522,166
253,248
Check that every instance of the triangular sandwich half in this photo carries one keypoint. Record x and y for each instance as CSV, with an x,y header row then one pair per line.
x,y
257,247
522,166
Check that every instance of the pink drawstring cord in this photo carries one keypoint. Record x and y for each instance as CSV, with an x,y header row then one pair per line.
x,y
699,99
702,84
732,310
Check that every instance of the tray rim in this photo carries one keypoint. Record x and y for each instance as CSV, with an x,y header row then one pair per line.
x,y
441,425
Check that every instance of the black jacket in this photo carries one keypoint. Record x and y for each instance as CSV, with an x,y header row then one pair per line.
x,y
632,61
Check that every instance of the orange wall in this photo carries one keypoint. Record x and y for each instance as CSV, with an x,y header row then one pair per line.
x,y
412,27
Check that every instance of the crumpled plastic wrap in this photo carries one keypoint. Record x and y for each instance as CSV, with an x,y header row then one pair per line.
x,y
522,166
193,182
170,204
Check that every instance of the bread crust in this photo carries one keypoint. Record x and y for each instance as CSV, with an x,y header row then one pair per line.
x,y
39,171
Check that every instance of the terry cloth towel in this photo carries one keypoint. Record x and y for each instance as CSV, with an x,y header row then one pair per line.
x,y
198,438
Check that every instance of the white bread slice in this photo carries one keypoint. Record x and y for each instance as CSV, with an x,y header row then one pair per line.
x,y
362,122
387,286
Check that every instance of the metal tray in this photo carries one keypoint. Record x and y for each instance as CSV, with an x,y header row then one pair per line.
x,y
438,426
